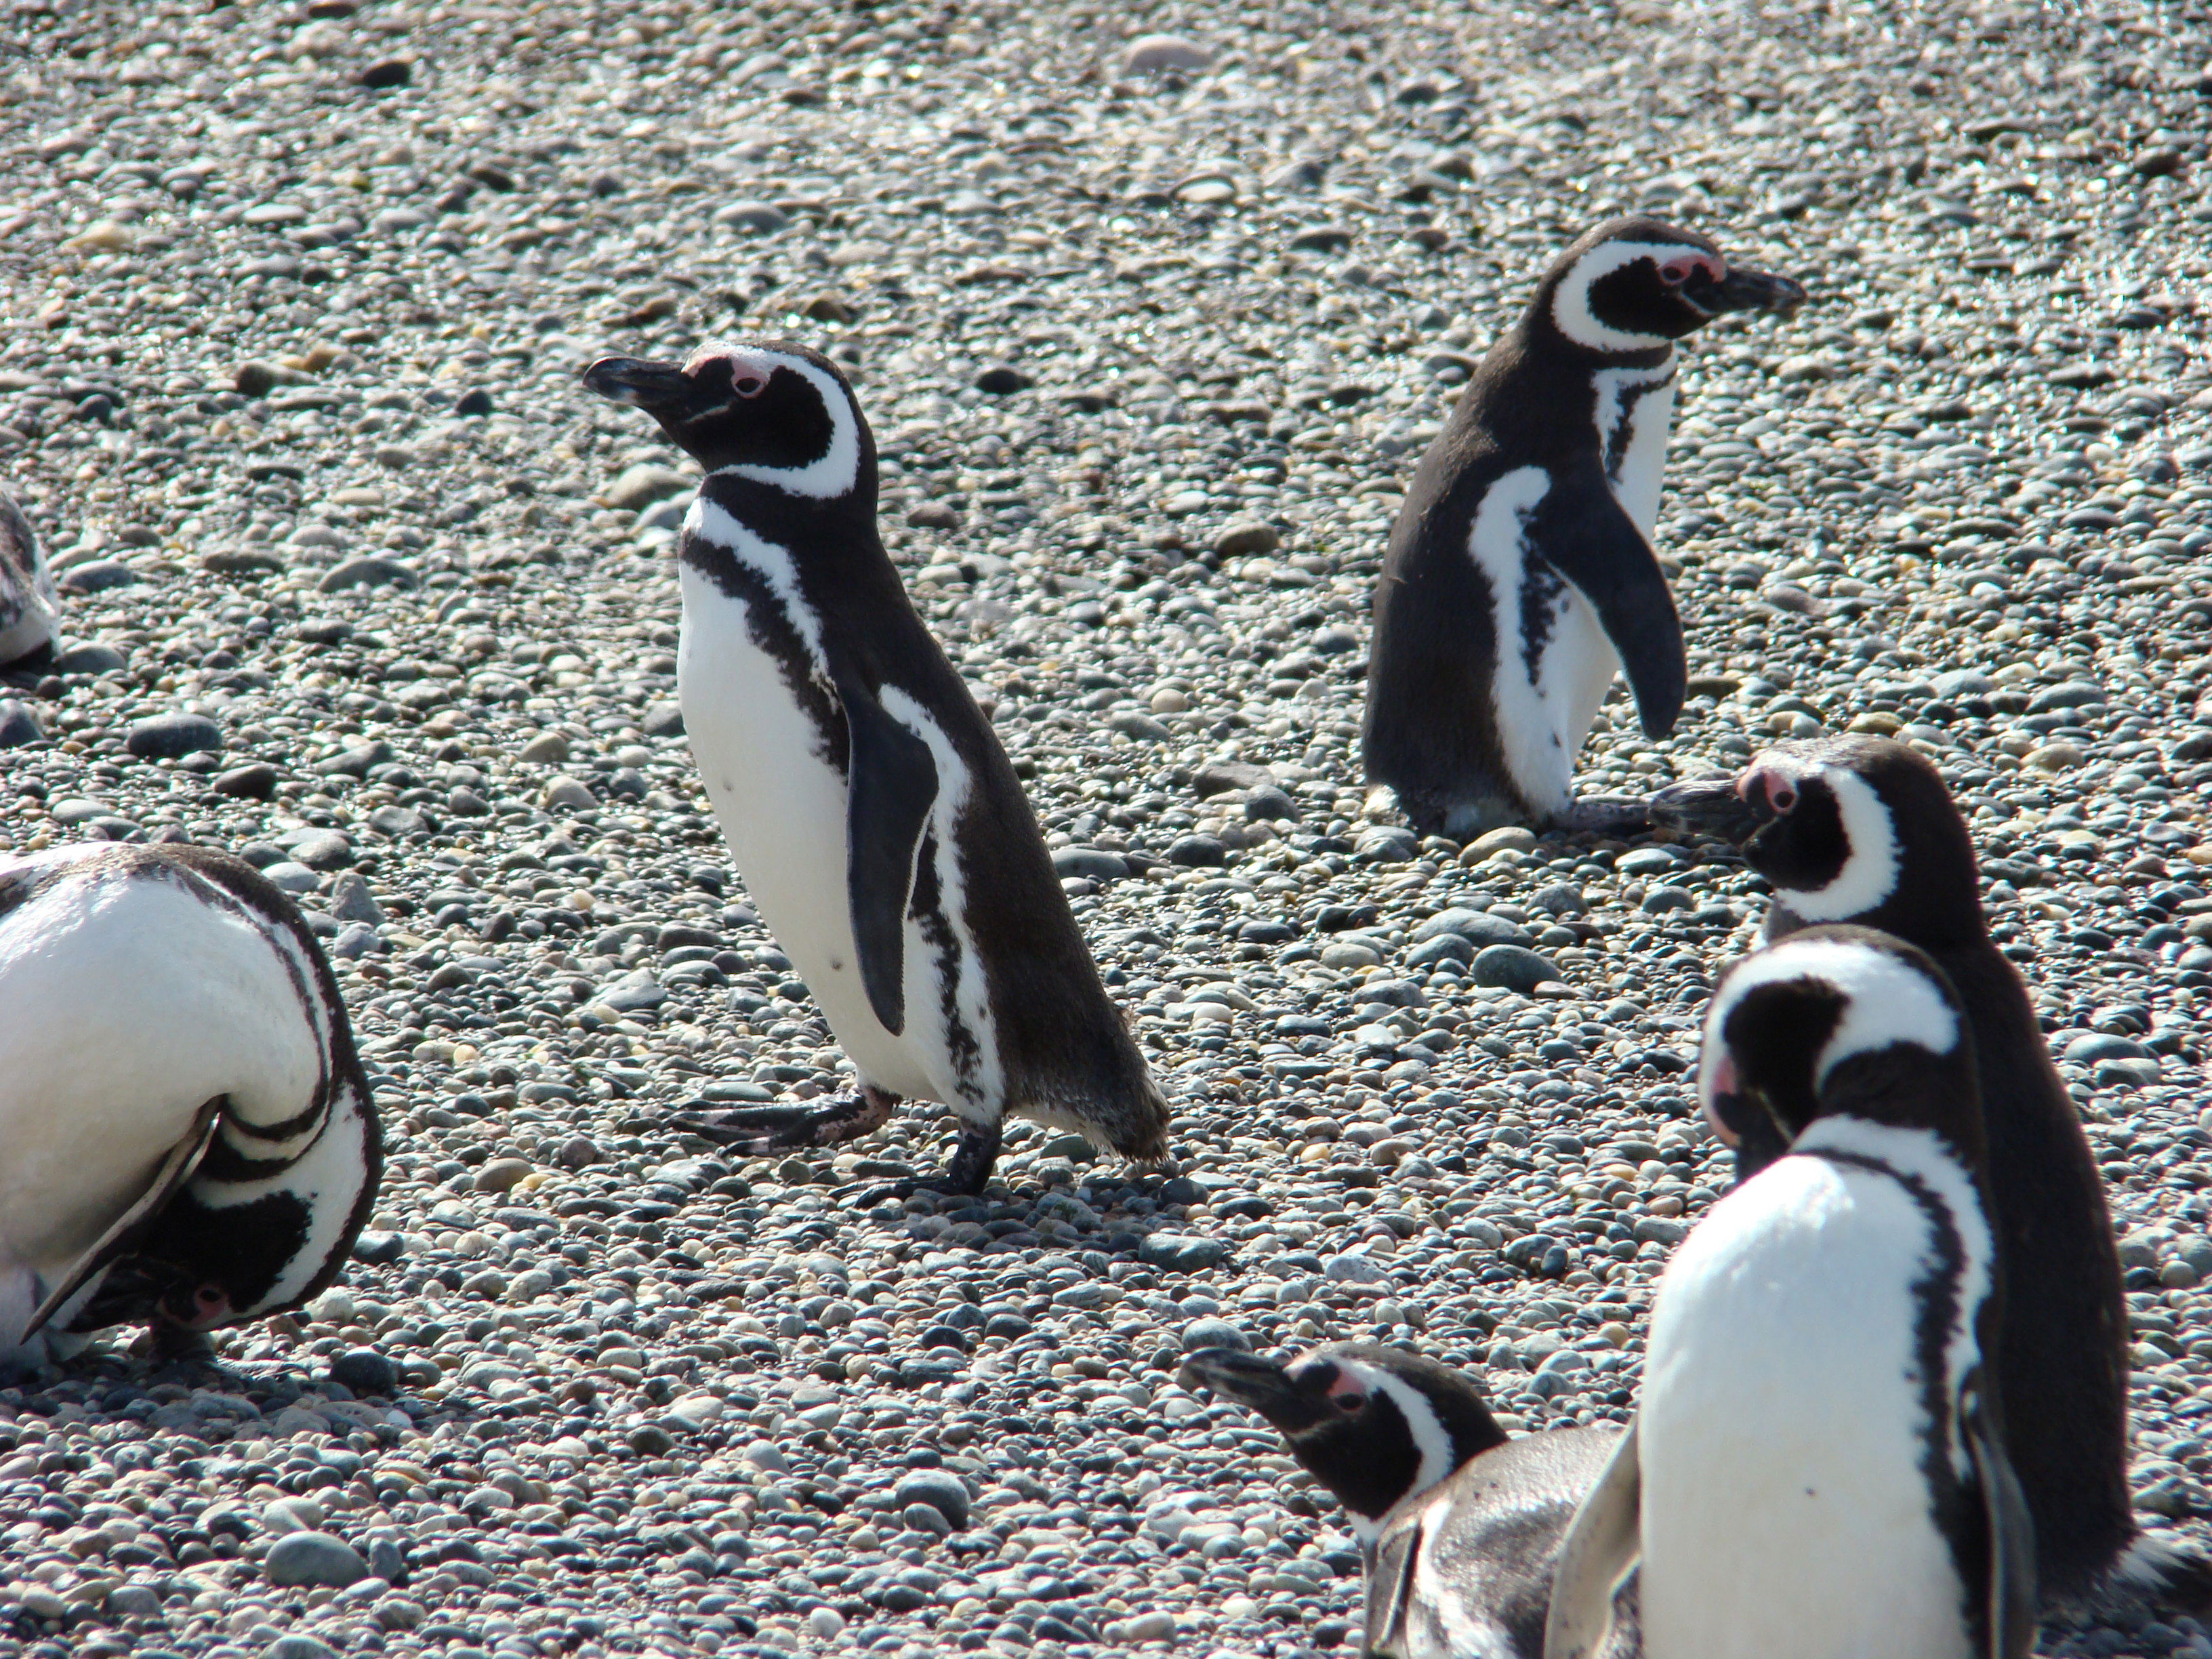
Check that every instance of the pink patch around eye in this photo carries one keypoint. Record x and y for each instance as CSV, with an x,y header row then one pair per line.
x,y
1722,1084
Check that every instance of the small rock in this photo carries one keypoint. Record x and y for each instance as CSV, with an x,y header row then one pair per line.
x,y
1213,1333
350,900
762,216
387,73
166,737
98,577
1198,853
501,1174
633,990
933,515
651,1440
367,571
1073,861
1512,968
569,794
1157,54
1002,379
365,1371
90,659
313,1557
1181,1253
299,1647
326,849
1247,539
18,725
1510,839
258,380
938,1488
546,749
256,781
640,486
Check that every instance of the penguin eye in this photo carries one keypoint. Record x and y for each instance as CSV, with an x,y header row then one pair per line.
x,y
1782,798
1349,1403
749,386
1675,272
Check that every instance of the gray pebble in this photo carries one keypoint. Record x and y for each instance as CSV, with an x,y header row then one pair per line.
x,y
313,1557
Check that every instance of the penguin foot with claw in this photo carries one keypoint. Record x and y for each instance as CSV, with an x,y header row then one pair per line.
x,y
973,1159
1606,814
758,1130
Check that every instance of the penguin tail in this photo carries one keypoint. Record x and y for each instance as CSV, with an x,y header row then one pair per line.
x,y
2155,1574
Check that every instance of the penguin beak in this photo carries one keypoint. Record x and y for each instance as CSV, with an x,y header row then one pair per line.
x,y
1744,290
1250,1381
661,389
1710,806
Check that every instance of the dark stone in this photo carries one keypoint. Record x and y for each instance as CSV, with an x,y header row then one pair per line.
x,y
256,781
1219,777
1091,861
1512,968
933,515
323,849
938,1488
97,577
1213,1333
663,720
651,1439
365,1371
300,1558
1001,380
1181,1252
474,401
18,725
386,73
256,380
378,1249
90,659
1197,852
1247,539
166,737
367,571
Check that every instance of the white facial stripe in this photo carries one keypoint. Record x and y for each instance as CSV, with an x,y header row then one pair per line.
x,y
1868,877
1532,712
1571,307
1886,1000
831,473
1430,1438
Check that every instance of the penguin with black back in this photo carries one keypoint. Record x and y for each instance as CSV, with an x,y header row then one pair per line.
x,y
1459,1524
1521,576
187,1138
1817,1468
1861,829
30,611
872,811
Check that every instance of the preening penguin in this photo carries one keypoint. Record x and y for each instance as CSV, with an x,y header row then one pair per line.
x,y
187,1137
1460,1525
873,813
30,614
1817,1470
1855,829
1520,575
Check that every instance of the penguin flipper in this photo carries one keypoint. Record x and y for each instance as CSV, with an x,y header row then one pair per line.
x,y
2011,1614
1590,539
1601,1546
890,788
132,1225
1390,1592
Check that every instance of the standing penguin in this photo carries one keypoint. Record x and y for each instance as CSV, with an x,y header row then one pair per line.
x,y
1459,1525
1817,1470
187,1137
1857,828
1520,575
873,813
29,612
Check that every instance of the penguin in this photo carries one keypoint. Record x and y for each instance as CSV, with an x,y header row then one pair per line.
x,y
187,1139
871,809
1520,575
1861,829
1817,1468
1458,1525
30,614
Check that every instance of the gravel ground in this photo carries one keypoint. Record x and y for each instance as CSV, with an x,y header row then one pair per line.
x,y
363,584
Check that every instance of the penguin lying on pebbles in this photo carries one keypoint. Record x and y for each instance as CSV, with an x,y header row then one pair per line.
x,y
1857,828
871,809
1458,1525
187,1137
30,614
1520,576
1817,1470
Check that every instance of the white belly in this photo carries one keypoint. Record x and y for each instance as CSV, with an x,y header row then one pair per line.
x,y
1637,467
1785,1515
1543,704
781,804
125,1006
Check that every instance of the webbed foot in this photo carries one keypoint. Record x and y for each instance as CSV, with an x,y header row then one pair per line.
x,y
759,1130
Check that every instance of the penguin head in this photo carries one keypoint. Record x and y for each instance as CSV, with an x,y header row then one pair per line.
x,y
1632,285
1848,828
1839,1022
1373,1424
768,411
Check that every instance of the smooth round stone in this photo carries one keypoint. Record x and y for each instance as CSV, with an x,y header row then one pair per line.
x,y
365,1371
501,1174
1349,953
1214,1333
1157,54
546,749
367,571
1181,1252
1089,861
938,1489
292,877
1511,968
570,794
313,1557
18,725
299,1647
